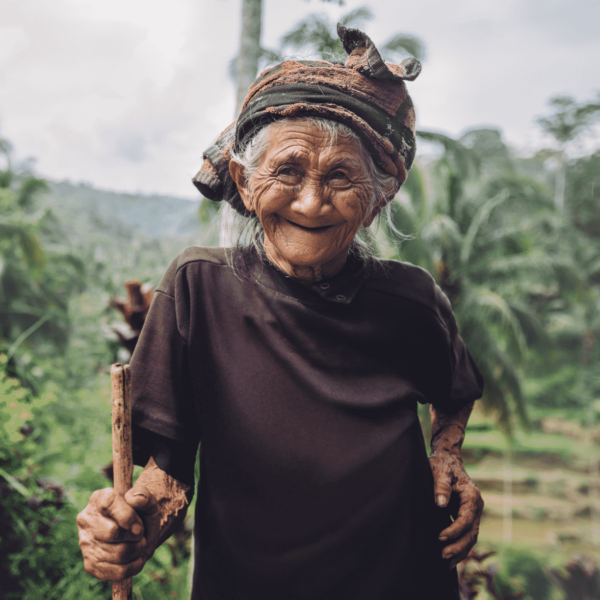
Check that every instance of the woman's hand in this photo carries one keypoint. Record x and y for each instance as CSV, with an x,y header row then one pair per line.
x,y
117,534
450,477
451,482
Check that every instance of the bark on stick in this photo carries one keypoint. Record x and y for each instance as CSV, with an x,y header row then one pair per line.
x,y
122,452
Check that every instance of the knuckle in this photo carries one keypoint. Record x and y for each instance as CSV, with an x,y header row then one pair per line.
x,y
84,541
90,567
81,520
111,530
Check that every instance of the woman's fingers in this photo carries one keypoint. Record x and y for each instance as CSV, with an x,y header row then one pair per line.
x,y
141,500
469,513
110,561
120,554
458,551
442,467
112,572
112,505
111,537
465,529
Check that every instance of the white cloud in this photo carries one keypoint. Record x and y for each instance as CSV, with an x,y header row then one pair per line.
x,y
127,94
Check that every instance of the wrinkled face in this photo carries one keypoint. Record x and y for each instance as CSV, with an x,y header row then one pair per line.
x,y
311,197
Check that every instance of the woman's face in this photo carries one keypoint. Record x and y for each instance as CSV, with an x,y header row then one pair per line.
x,y
311,197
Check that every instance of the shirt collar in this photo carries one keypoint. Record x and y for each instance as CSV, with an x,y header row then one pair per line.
x,y
340,289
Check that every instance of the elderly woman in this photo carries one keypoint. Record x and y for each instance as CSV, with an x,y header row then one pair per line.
x,y
297,361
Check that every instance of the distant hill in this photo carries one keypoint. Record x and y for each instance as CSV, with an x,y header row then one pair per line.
x,y
156,216
125,236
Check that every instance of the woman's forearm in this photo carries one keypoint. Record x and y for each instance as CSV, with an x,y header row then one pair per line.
x,y
172,500
448,430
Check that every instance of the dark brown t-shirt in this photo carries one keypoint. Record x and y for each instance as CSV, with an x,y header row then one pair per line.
x,y
315,484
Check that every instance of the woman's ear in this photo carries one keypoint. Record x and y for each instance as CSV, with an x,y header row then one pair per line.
x,y
237,174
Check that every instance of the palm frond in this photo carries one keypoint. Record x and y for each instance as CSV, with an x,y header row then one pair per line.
x,y
532,327
33,252
522,190
412,250
462,158
442,232
401,45
480,218
490,307
534,262
502,382
414,186
356,17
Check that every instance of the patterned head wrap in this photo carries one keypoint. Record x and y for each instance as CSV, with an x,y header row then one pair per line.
x,y
366,94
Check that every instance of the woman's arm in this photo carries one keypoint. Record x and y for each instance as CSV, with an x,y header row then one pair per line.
x,y
449,475
118,534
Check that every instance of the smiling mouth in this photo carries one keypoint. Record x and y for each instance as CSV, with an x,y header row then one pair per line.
x,y
311,229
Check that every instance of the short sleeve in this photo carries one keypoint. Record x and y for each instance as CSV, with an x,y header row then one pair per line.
x,y
165,422
467,381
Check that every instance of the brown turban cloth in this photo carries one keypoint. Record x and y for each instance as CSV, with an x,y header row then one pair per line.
x,y
366,94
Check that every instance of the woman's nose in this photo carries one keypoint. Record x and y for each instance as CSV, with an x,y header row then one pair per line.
x,y
311,201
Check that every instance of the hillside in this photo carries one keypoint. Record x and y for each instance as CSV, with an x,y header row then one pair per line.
x,y
155,216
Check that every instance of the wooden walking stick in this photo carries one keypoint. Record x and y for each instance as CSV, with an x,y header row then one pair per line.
x,y
122,452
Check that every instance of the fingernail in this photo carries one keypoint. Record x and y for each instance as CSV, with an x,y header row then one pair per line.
x,y
140,494
443,538
136,528
441,501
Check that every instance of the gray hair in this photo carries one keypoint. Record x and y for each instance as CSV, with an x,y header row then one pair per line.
x,y
246,232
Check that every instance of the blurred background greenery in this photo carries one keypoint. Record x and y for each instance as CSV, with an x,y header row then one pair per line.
x,y
513,241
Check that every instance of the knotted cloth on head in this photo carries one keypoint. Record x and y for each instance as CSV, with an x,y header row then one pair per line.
x,y
366,94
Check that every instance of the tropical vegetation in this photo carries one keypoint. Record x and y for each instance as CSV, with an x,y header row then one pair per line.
x,y
513,242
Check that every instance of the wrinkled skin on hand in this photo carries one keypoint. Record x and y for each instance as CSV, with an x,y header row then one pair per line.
x,y
118,534
450,478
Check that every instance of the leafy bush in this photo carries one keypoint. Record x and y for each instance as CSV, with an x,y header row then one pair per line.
x,y
522,571
39,551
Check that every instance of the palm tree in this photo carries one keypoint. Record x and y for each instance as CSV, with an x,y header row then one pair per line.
x,y
316,37
482,259
565,126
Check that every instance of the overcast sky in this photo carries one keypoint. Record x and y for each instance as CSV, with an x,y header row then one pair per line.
x,y
126,94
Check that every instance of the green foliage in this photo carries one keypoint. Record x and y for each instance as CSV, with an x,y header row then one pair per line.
x,y
316,37
63,253
39,553
38,274
521,570
583,195
523,278
570,118
480,233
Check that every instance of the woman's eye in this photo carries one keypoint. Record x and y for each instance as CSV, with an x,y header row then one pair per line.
x,y
338,177
286,172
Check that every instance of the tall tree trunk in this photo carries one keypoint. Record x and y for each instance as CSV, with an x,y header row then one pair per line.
x,y
249,54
